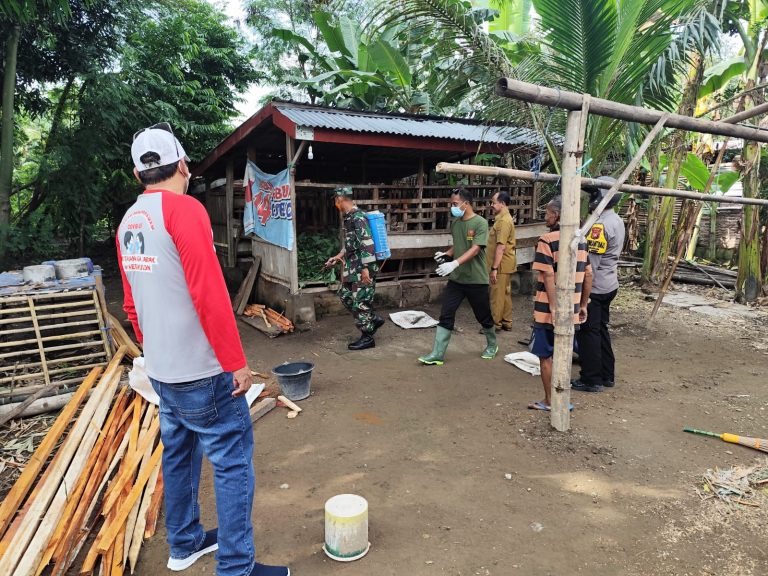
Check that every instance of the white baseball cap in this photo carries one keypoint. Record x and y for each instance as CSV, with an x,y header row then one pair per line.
x,y
159,140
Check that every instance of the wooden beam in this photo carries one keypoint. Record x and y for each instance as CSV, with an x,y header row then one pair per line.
x,y
290,146
446,168
230,201
573,101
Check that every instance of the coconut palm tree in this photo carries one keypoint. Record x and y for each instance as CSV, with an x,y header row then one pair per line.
x,y
606,48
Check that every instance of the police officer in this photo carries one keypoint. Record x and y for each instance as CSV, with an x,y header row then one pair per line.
x,y
358,285
605,241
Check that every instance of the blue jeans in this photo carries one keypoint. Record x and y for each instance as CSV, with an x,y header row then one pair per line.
x,y
197,418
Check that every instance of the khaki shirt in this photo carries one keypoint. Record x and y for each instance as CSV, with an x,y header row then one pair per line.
x,y
502,232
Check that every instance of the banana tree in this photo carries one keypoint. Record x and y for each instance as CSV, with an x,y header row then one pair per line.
x,y
698,36
381,71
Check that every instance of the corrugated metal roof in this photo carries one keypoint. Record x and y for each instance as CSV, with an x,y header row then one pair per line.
x,y
427,127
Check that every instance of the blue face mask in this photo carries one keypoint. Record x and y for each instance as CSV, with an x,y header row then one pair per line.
x,y
456,212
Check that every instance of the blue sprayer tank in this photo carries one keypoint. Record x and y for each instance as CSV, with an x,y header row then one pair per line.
x,y
379,232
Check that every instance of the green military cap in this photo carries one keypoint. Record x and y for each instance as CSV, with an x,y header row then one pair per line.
x,y
343,191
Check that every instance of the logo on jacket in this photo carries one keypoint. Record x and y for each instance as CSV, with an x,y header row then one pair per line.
x,y
597,243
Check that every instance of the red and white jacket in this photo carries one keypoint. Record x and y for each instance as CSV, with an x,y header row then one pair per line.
x,y
175,295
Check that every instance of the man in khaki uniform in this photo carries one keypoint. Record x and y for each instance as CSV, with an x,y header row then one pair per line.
x,y
502,261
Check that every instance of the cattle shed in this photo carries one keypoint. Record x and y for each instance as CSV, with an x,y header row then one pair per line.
x,y
389,161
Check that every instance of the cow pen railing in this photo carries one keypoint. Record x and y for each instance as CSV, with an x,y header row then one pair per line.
x,y
411,209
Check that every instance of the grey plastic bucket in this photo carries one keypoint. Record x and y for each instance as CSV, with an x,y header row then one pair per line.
x,y
294,379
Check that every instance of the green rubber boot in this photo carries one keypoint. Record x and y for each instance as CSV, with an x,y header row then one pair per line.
x,y
491,347
435,358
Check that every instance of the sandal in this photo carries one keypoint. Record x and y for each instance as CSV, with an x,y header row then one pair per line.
x,y
543,407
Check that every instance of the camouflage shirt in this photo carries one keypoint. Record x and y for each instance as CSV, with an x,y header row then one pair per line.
x,y
358,246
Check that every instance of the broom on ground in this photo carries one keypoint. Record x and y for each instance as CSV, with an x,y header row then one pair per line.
x,y
755,443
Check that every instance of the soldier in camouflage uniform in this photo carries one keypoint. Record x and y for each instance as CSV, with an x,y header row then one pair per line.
x,y
358,285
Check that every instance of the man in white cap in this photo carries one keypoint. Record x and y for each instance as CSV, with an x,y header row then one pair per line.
x,y
177,301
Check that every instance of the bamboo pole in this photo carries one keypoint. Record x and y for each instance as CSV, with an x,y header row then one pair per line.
x,y
98,302
121,336
573,152
449,168
21,406
747,114
598,211
36,325
20,377
51,349
23,484
573,101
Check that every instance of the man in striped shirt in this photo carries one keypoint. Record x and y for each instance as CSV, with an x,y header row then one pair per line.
x,y
545,264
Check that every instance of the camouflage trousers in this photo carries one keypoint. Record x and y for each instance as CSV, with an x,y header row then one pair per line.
x,y
358,299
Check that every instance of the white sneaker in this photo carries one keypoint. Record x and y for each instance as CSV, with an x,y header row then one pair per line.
x,y
210,544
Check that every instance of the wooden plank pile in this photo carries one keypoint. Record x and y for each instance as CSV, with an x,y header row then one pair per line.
x,y
271,318
103,480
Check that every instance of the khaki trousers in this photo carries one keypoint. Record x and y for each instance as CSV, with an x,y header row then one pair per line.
x,y
501,301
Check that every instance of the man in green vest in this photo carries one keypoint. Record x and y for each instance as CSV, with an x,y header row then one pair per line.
x,y
467,277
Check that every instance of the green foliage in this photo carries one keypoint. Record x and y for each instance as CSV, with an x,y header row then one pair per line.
x,y
141,64
314,251
697,174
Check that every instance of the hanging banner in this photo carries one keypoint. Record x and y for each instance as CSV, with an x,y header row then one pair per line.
x,y
268,209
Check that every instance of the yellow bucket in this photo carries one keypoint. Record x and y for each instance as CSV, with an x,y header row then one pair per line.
x,y
346,528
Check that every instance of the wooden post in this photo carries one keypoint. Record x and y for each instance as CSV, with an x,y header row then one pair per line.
x,y
294,254
420,184
230,208
40,345
712,248
573,151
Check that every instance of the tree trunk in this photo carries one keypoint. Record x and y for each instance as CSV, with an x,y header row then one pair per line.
x,y
749,283
750,280
6,135
41,184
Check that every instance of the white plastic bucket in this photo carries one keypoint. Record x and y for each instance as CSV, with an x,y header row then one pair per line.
x,y
346,528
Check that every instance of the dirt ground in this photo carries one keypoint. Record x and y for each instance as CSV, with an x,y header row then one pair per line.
x,y
429,448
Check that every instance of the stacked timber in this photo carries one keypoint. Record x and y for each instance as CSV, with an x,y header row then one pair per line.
x,y
103,480
270,317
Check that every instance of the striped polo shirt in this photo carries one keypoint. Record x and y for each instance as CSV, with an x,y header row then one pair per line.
x,y
547,253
